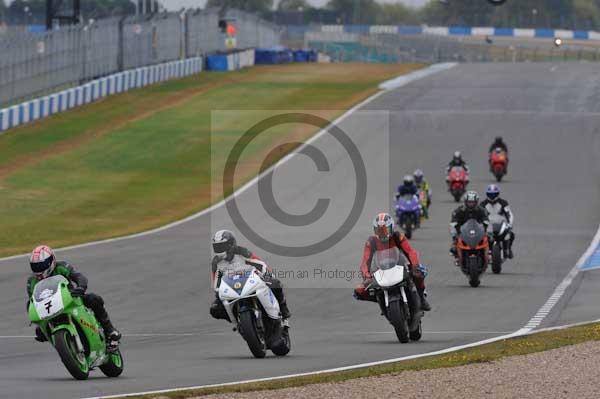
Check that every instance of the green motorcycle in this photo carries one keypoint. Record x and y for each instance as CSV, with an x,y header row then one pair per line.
x,y
73,330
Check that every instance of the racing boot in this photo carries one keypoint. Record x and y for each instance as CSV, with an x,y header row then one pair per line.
x,y
283,308
424,303
111,333
510,252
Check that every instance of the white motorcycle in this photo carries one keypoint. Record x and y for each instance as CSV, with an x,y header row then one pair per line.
x,y
251,305
500,233
396,294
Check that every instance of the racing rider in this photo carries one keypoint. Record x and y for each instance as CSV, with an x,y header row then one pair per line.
x,y
225,247
385,237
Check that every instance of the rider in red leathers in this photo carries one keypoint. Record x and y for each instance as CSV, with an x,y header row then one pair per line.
x,y
386,237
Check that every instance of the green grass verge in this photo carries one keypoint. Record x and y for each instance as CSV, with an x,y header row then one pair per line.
x,y
142,159
486,353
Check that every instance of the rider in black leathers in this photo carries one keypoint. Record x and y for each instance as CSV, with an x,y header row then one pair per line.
x,y
469,210
457,161
498,143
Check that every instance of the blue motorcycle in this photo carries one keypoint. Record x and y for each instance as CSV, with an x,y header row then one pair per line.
x,y
408,213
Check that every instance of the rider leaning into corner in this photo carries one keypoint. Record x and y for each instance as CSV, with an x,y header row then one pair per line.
x,y
495,205
44,264
225,247
469,210
385,237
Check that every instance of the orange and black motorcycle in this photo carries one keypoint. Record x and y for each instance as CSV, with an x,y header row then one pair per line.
x,y
473,247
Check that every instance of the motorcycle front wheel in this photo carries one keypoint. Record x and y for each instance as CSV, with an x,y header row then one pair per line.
x,y
496,259
249,331
399,321
75,362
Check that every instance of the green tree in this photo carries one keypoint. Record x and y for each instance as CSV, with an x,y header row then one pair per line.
x,y
293,5
587,14
355,11
397,14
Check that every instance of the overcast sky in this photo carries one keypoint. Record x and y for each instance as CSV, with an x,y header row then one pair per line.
x,y
178,4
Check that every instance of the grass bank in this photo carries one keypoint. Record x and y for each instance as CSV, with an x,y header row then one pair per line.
x,y
141,159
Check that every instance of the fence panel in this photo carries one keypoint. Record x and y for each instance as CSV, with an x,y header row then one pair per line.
x,y
33,64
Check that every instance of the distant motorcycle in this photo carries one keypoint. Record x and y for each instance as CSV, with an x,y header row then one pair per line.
x,y
473,247
408,213
457,180
396,294
498,163
252,307
499,229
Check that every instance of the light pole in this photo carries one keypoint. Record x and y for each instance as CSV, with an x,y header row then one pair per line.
x,y
534,17
25,15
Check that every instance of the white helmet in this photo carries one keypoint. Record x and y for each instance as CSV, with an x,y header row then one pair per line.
x,y
42,261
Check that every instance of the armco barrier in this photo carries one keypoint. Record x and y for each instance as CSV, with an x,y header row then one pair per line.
x,y
92,91
455,31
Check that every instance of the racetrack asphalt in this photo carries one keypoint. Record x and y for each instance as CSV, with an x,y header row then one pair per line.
x,y
157,286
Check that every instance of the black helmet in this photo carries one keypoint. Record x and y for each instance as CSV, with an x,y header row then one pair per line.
x,y
223,241
408,180
498,139
471,199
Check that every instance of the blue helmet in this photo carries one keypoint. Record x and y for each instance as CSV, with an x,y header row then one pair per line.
x,y
492,192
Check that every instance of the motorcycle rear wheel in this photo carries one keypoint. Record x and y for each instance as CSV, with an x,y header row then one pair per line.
x,y
65,345
399,321
249,332
416,334
285,345
114,366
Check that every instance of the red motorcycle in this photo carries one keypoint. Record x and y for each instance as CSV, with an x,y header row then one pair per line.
x,y
498,163
457,180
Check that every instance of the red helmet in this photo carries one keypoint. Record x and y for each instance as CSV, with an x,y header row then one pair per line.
x,y
383,226
42,261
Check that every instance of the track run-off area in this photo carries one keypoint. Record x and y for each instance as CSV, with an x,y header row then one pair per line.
x,y
157,285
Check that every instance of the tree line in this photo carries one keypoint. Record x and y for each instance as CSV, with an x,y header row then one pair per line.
x,y
567,14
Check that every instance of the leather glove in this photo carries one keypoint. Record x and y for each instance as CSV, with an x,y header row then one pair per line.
x,y
39,335
420,271
77,292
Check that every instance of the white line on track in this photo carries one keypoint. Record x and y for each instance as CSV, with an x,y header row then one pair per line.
x,y
545,310
199,334
356,366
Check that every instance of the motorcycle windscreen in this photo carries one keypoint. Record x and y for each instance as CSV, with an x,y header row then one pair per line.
x,y
472,232
47,297
386,259
408,202
236,278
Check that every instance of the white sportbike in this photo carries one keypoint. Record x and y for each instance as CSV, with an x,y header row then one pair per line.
x,y
252,307
396,294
